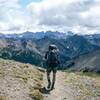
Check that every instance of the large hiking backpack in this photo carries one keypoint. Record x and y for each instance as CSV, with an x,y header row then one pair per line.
x,y
52,57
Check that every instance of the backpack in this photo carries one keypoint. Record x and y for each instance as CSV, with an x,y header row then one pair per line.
x,y
52,57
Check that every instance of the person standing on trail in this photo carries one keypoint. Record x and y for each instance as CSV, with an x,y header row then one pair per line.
x,y
52,62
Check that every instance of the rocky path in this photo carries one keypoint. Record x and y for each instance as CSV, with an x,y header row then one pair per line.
x,y
70,86
59,93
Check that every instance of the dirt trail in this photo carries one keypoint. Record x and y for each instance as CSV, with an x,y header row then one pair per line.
x,y
59,93
70,86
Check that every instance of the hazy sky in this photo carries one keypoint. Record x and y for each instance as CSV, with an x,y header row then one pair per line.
x,y
81,16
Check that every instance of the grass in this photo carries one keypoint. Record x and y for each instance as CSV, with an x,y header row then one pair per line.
x,y
36,95
3,97
85,83
34,90
37,77
91,74
27,74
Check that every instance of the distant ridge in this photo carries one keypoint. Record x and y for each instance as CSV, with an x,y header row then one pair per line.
x,y
38,35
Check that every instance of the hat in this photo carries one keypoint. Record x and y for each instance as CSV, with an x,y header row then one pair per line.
x,y
52,47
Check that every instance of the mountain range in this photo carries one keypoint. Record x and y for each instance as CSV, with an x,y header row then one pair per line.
x,y
37,35
30,47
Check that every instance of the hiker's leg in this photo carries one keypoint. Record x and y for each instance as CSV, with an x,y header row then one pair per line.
x,y
53,80
48,78
54,74
54,77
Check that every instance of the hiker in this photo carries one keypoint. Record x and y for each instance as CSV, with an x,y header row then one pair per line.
x,y
52,62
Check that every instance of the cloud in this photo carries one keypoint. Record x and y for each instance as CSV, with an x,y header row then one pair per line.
x,y
71,14
12,16
81,16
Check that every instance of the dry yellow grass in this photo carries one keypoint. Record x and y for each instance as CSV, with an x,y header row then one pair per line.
x,y
3,97
27,76
86,86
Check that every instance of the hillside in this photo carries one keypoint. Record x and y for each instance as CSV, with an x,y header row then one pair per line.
x,y
19,81
74,86
88,62
20,50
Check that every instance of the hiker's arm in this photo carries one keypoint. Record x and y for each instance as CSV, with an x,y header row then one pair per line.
x,y
46,55
58,56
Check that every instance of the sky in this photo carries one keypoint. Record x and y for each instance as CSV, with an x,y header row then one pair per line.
x,y
79,16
